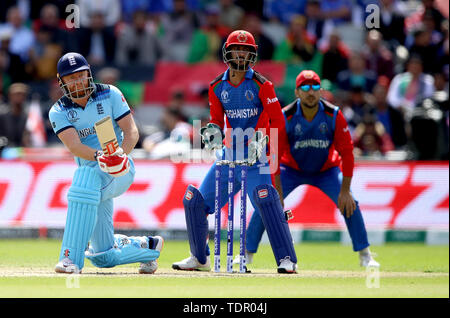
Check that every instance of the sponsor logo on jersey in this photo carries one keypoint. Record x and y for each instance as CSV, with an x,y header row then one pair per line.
x,y
312,143
189,195
263,193
273,100
241,113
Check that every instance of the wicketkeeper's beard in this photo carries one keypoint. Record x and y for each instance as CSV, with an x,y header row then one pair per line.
x,y
240,66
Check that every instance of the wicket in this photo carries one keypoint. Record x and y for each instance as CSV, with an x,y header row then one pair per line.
x,y
243,214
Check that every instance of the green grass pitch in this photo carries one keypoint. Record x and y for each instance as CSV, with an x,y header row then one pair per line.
x,y
325,270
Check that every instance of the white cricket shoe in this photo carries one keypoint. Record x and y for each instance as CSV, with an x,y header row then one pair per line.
x,y
366,259
66,266
192,264
287,266
152,266
248,258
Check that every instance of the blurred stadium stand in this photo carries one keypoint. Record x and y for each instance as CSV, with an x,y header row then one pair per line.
x,y
163,53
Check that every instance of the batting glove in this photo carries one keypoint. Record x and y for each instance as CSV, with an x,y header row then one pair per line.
x,y
116,164
212,136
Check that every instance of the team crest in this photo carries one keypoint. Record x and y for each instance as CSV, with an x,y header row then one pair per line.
x,y
298,129
249,95
242,37
323,127
224,96
308,74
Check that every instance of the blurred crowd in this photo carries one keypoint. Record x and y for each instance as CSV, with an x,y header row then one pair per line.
x,y
389,74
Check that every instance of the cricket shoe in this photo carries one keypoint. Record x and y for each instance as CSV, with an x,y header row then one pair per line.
x,y
366,259
155,243
66,266
248,258
287,266
192,264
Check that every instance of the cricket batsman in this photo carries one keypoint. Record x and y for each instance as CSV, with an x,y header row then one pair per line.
x,y
242,103
319,144
99,177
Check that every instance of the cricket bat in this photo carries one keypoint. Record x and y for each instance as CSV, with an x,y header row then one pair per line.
x,y
106,135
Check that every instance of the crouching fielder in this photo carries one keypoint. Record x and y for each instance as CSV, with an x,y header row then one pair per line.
x,y
98,178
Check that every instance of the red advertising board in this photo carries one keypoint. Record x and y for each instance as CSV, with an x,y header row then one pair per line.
x,y
391,195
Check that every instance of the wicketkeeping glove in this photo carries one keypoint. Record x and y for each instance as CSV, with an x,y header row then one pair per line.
x,y
257,146
212,136
116,164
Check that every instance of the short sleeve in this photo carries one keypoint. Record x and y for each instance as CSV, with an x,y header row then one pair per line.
x,y
58,120
120,106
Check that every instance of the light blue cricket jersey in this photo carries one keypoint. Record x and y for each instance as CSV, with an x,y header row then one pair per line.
x,y
105,100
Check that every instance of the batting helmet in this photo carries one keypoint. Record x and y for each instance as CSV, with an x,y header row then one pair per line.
x,y
71,63
240,60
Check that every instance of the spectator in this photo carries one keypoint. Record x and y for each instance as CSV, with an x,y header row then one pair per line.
x,y
11,64
443,52
358,104
378,57
22,38
136,43
391,118
97,42
335,58
392,24
283,10
13,122
110,11
410,88
370,138
173,139
207,41
252,23
54,94
230,15
49,19
357,75
179,27
338,11
44,55
298,46
423,47
316,25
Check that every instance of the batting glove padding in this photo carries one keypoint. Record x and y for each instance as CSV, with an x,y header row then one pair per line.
x,y
116,165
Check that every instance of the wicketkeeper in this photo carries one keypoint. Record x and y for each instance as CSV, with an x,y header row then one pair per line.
x,y
98,178
248,103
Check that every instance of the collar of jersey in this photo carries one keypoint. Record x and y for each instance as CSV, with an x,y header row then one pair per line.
x,y
248,74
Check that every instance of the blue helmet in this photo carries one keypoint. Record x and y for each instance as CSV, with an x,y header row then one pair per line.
x,y
72,63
